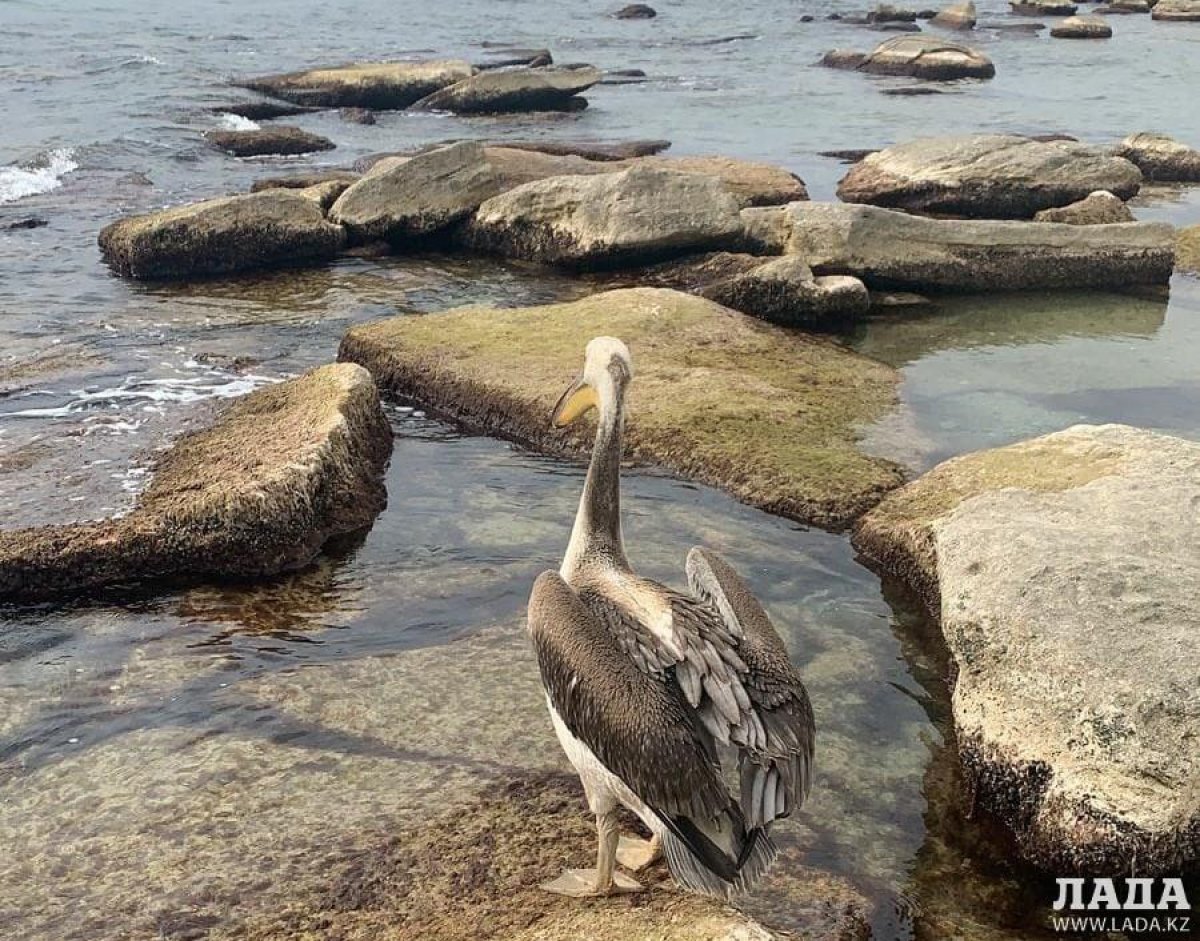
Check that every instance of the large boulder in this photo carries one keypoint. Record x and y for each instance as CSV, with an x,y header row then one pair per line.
x,y
544,89
957,16
419,196
769,414
995,176
278,139
278,474
894,249
259,230
1099,208
1082,27
1187,11
922,57
379,85
1160,157
1065,576
608,220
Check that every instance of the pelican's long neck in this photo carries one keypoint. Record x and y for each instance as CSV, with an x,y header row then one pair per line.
x,y
596,536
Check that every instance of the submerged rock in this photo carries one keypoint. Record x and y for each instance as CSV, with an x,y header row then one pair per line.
x,y
768,414
1178,10
262,110
357,115
378,85
278,474
916,57
1043,7
549,89
1099,208
1070,630
957,16
636,11
894,249
260,230
988,175
401,200
607,220
1161,158
279,139
1082,27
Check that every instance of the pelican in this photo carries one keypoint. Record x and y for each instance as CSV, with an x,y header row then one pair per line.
x,y
645,684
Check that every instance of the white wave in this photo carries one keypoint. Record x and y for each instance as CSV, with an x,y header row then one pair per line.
x,y
235,122
39,176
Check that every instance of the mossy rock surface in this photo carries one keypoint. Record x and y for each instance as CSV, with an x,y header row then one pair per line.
x,y
770,415
278,474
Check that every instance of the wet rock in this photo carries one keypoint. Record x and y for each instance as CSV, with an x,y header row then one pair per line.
x,y
889,249
400,201
636,11
1082,27
302,181
531,58
550,89
1029,28
381,86
1176,10
279,473
357,115
769,414
957,16
846,156
1188,250
986,175
623,77
262,110
1043,7
607,220
30,222
1066,593
785,291
916,57
1098,208
1161,158
896,27
260,230
278,139
887,13
589,149
911,91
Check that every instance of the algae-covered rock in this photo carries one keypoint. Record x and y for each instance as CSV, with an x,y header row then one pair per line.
x,y
1065,576
379,85
279,139
769,415
235,233
279,473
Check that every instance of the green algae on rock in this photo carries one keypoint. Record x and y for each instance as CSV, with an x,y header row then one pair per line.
x,y
217,236
1074,697
768,415
279,473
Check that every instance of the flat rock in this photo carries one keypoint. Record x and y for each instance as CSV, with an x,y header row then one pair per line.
x,y
278,474
608,220
589,149
548,89
1082,27
267,229
506,57
278,139
1187,11
994,176
749,182
1126,6
889,249
412,198
957,16
1064,574
378,85
922,57
1161,158
1043,7
264,110
768,414
304,180
1098,208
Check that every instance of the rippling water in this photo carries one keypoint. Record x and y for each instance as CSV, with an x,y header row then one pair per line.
x,y
133,727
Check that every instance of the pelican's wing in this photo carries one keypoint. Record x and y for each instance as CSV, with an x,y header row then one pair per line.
x,y
776,756
636,723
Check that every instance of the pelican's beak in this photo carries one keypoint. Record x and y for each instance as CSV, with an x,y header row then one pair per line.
x,y
576,402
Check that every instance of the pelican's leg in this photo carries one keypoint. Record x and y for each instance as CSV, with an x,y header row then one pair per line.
x,y
604,879
635,855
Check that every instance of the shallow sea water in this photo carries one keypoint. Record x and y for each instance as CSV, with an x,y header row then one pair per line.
x,y
203,748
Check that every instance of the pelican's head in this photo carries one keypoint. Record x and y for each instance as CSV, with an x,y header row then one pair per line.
x,y
607,369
